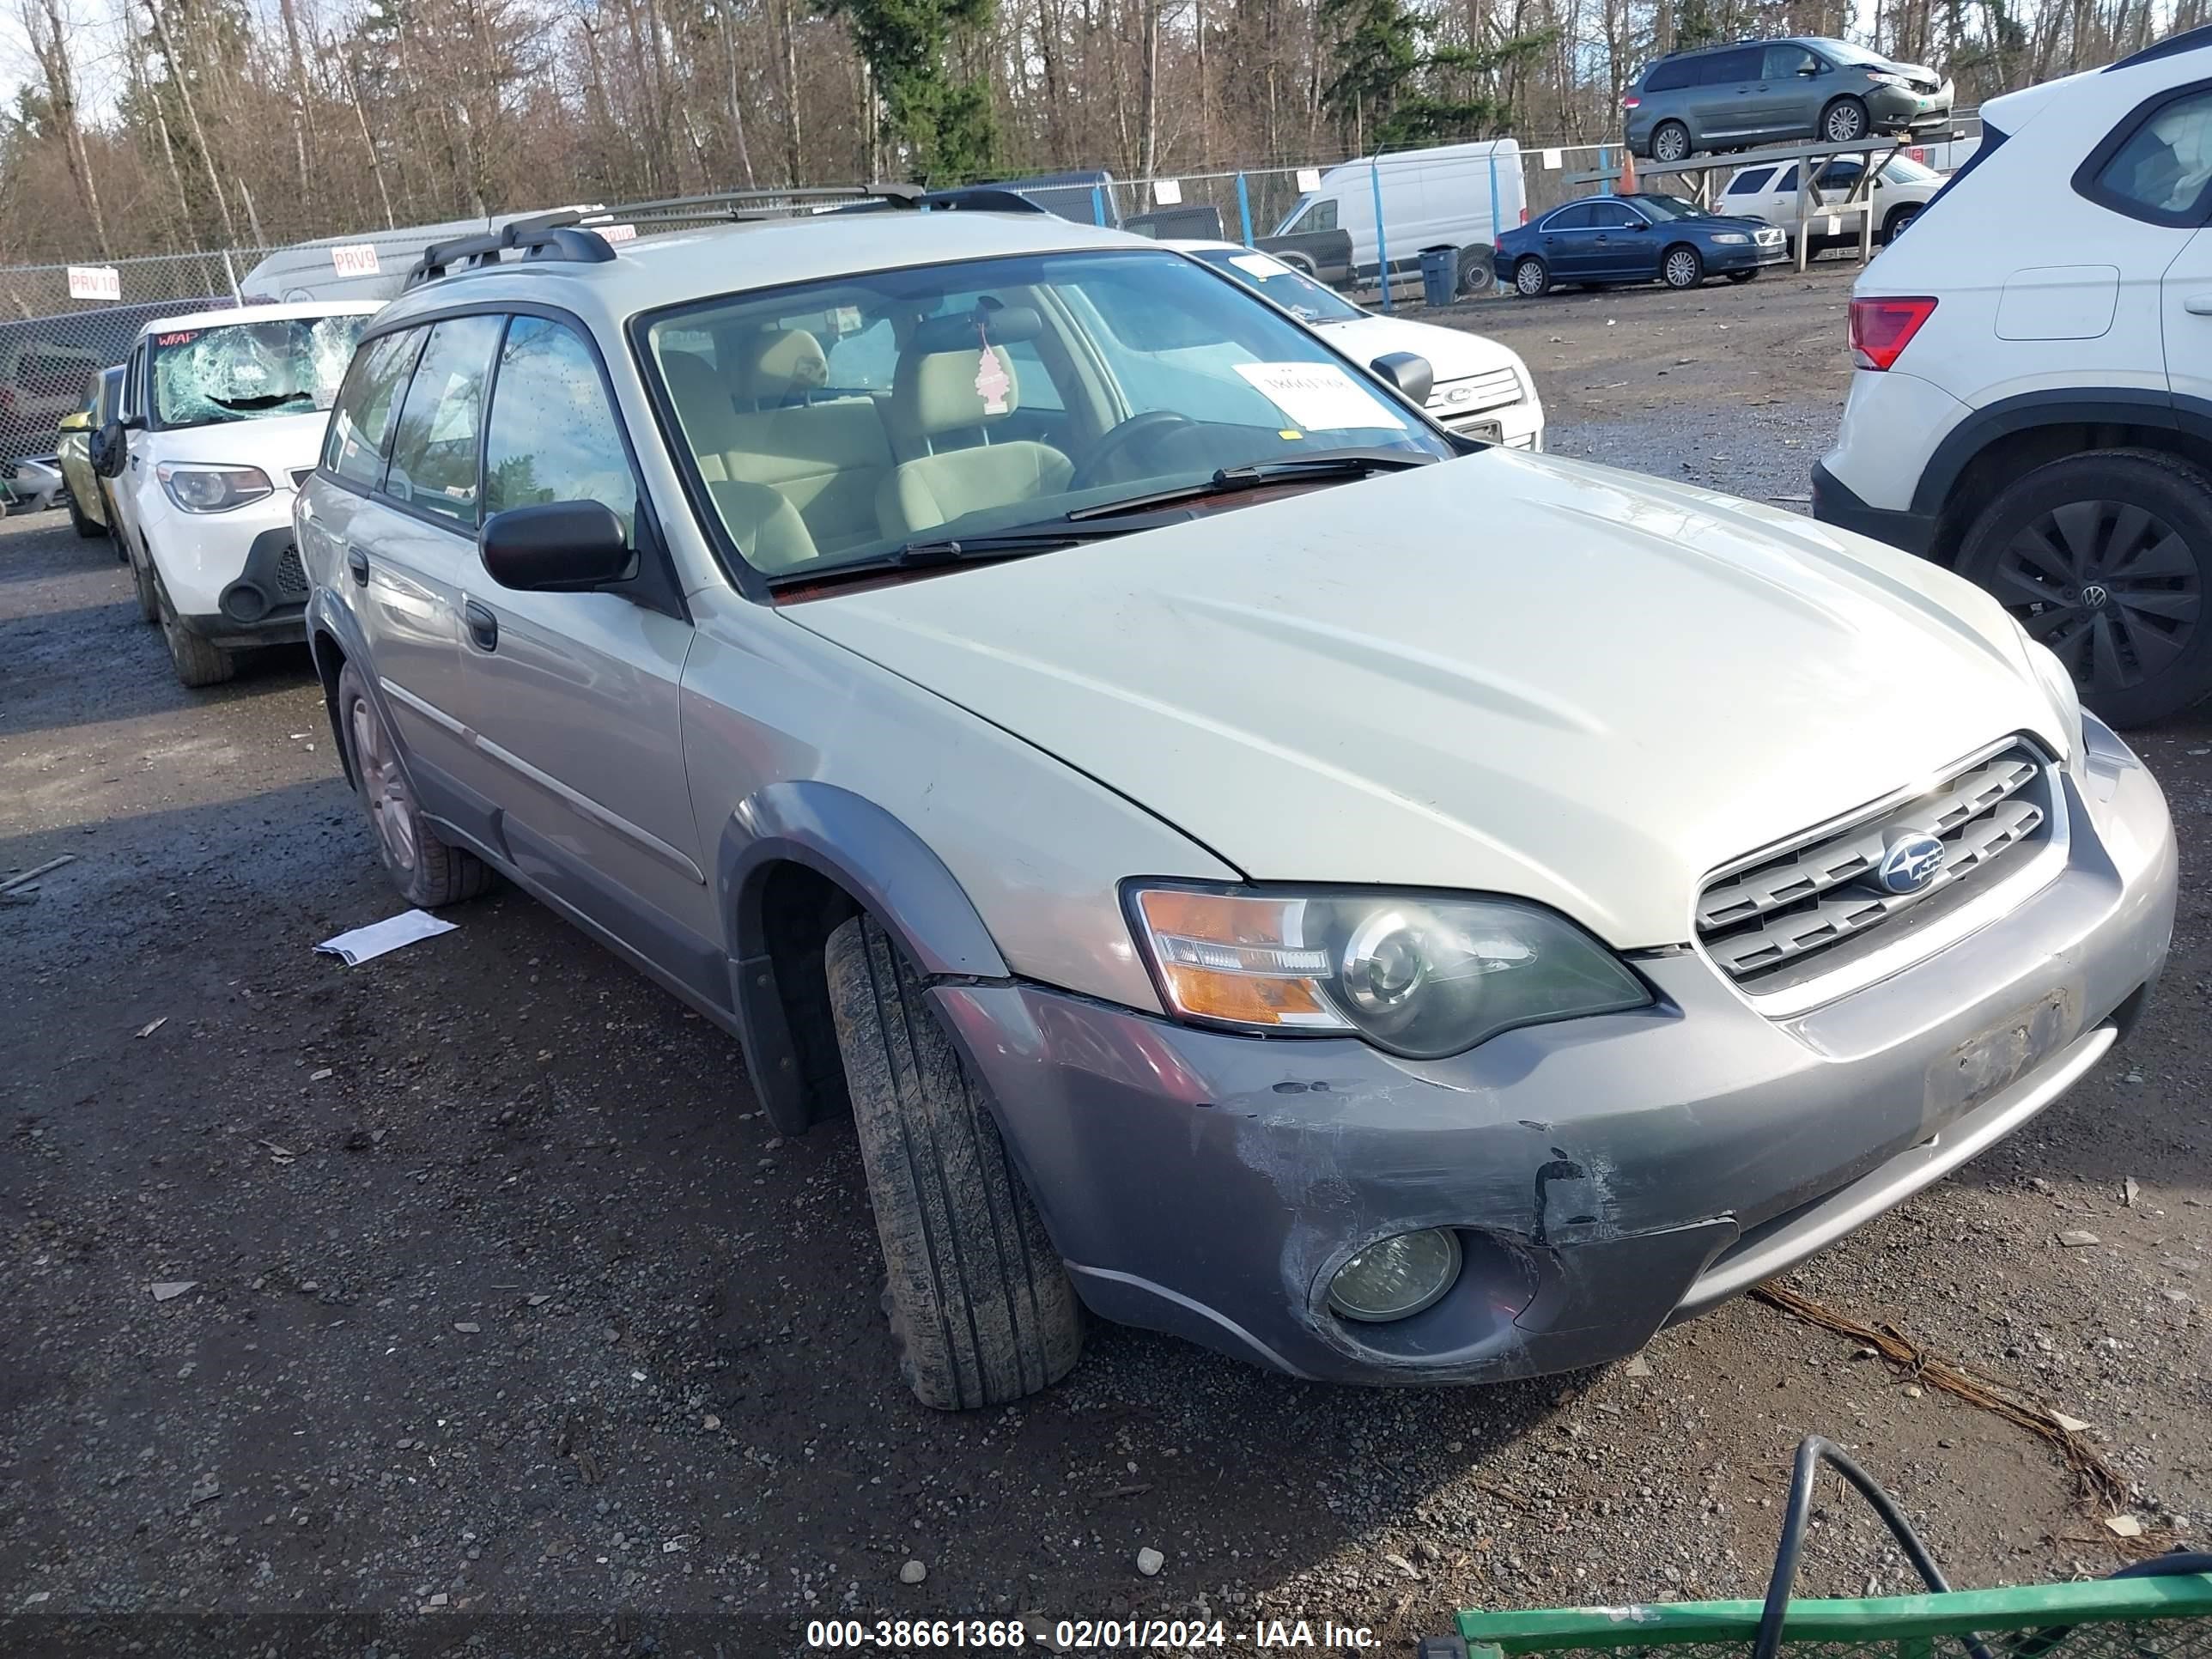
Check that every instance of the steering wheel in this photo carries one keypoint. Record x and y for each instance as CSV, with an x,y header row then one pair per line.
x,y
1113,442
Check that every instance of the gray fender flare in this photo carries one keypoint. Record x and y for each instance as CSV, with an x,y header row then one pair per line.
x,y
887,868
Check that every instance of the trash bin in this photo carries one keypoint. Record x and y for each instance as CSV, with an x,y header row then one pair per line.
x,y
1439,274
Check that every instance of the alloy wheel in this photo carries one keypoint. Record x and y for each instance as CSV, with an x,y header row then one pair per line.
x,y
1529,277
1672,144
1682,268
1846,123
390,807
2109,586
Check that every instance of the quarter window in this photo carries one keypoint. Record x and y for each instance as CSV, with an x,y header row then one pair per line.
x,y
1671,77
1742,65
353,447
434,451
553,435
2159,170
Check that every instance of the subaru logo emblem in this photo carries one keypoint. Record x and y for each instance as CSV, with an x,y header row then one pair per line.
x,y
1910,862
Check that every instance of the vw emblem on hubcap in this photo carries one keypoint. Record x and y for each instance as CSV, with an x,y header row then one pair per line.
x,y
1910,861
2095,595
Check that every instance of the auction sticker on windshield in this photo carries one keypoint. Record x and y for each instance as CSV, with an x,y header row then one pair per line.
x,y
1319,396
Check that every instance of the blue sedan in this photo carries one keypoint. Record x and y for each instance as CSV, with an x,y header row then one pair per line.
x,y
1636,239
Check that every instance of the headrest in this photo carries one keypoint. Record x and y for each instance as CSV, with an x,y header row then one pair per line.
x,y
953,390
777,363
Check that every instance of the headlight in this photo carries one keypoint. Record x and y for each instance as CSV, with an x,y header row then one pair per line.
x,y
1878,78
200,488
1732,237
1418,976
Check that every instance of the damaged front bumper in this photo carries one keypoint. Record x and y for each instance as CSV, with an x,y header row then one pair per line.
x,y
1604,1176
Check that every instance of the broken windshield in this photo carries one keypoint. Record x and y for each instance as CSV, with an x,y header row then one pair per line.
x,y
243,371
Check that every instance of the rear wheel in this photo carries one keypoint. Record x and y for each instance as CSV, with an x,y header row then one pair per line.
x,y
2106,558
85,526
979,1304
1683,266
1531,277
1844,122
1670,141
1478,271
428,871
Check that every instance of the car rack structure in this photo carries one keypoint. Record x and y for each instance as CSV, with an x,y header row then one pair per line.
x,y
1697,174
589,236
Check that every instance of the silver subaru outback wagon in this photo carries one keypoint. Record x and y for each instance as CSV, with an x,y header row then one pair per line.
x,y
1248,863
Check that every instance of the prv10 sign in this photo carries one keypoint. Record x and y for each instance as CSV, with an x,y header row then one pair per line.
x,y
95,283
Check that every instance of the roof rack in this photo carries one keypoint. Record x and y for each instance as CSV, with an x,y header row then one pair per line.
x,y
575,235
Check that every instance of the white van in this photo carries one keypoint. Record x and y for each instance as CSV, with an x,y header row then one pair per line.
x,y
1456,195
371,265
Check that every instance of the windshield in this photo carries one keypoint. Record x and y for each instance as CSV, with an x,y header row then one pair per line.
x,y
1300,295
243,371
839,422
1845,52
1904,170
1664,207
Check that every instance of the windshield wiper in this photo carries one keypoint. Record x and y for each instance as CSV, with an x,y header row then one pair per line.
x,y
984,549
1256,475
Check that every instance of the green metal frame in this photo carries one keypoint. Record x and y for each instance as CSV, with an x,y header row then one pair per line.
x,y
1907,1622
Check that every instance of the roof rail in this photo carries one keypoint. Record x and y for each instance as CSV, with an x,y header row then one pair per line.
x,y
550,236
2187,40
573,235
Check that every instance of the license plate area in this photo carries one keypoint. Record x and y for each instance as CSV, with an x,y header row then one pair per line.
x,y
2000,1056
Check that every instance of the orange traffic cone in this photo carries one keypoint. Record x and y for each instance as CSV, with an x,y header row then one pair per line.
x,y
1627,171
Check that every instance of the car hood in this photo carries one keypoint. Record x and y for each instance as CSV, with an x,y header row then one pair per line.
x,y
1452,354
1501,673
275,443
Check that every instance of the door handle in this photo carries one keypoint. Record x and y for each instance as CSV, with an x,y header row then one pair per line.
x,y
483,626
357,562
2199,304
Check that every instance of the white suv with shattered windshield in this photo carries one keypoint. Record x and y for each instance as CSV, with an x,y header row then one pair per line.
x,y
222,417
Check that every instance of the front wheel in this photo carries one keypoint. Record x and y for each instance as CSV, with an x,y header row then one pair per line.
x,y
2106,558
142,582
980,1305
1844,122
1683,267
1531,277
1741,276
1670,141
428,871
1894,227
197,662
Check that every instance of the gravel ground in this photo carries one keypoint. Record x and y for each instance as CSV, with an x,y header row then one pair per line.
x,y
505,1303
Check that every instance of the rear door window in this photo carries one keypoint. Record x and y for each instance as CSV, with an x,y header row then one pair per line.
x,y
1576,217
1751,183
434,450
353,449
1671,76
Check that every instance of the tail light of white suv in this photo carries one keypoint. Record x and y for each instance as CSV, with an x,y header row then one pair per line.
x,y
1881,328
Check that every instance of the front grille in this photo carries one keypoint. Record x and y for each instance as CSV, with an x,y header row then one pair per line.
x,y
291,574
1789,915
1476,391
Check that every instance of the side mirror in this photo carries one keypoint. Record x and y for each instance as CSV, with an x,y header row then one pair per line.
x,y
1808,70
558,547
1409,372
79,422
107,449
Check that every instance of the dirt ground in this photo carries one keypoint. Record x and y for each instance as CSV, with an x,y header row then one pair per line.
x,y
506,1305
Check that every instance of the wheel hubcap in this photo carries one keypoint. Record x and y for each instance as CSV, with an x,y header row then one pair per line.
x,y
1529,278
1844,125
1671,146
1680,270
2111,588
389,808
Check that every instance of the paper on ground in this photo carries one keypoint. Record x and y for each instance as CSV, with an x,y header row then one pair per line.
x,y
1319,396
364,943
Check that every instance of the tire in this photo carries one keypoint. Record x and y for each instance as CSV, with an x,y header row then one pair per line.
x,y
1670,141
430,872
1477,272
980,1305
1739,277
1532,277
1682,266
90,528
142,579
198,663
1844,122
2106,558
1894,227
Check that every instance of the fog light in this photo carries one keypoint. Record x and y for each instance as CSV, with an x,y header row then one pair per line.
x,y
244,602
1396,1277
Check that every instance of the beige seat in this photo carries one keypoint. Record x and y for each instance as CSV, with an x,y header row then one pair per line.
x,y
827,459
932,395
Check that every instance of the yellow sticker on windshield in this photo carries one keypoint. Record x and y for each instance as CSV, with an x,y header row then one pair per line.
x,y
1289,437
